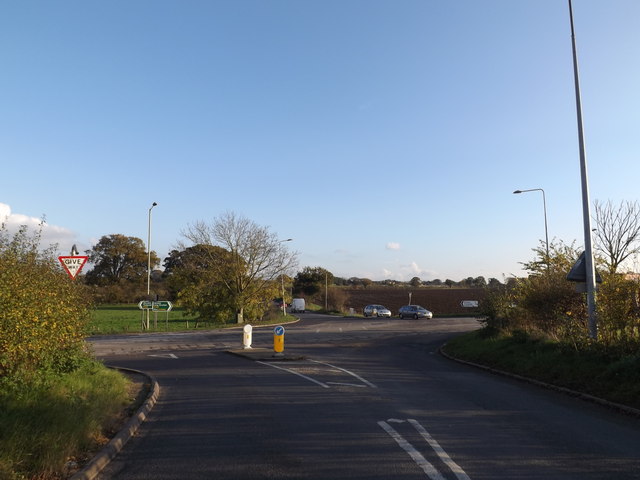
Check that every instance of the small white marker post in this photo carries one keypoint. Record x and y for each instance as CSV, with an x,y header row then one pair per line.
x,y
246,338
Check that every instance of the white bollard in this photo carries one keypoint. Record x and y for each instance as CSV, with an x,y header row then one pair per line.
x,y
246,339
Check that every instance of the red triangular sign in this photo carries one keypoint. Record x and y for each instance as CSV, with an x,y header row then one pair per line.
x,y
73,265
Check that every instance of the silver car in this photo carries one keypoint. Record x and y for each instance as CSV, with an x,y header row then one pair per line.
x,y
414,311
376,310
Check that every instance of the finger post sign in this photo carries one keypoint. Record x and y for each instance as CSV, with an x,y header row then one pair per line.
x,y
73,264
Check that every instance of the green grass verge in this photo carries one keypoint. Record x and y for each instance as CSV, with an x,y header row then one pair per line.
x,y
616,379
119,319
43,426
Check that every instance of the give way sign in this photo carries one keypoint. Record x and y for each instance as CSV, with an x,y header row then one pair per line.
x,y
73,265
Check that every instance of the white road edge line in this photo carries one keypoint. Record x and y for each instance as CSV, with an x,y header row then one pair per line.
x,y
453,466
164,355
347,371
417,457
359,385
324,385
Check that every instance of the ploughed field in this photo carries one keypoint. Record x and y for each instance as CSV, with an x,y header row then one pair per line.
x,y
439,300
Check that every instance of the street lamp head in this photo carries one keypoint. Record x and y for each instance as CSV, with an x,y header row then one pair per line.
x,y
517,191
153,204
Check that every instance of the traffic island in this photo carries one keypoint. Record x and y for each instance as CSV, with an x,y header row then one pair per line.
x,y
266,355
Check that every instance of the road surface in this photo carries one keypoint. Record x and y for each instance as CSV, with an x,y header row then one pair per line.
x,y
372,399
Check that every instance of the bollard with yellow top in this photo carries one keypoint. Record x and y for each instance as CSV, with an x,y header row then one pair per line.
x,y
278,340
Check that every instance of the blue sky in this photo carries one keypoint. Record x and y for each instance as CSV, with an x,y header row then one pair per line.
x,y
384,137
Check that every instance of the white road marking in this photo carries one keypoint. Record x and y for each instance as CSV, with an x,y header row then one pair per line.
x,y
417,457
453,466
369,384
324,385
164,355
359,385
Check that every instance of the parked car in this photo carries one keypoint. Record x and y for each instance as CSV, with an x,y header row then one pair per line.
x,y
376,310
414,311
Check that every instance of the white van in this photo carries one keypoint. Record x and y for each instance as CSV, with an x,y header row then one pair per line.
x,y
297,305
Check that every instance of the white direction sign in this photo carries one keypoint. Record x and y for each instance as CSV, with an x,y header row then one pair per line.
x,y
469,303
73,265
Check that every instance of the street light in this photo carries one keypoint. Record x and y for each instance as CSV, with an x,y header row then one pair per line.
x,y
544,204
149,251
586,215
284,304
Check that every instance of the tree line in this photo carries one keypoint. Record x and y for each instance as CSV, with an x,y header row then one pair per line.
x,y
232,267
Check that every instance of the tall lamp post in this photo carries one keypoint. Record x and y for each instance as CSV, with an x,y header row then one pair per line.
x,y
284,304
149,251
544,204
590,273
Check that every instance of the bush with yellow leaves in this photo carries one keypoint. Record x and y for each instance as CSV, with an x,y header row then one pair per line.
x,y
43,313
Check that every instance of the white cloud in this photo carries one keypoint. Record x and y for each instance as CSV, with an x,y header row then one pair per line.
x,y
415,268
51,234
408,271
393,246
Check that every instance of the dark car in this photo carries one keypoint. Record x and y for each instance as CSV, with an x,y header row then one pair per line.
x,y
414,311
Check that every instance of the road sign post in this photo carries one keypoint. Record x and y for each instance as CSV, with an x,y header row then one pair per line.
x,y
73,264
145,306
161,306
278,340
469,303
158,306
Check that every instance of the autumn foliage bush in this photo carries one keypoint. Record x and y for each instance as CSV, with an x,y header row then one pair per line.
x,y
546,305
54,397
43,313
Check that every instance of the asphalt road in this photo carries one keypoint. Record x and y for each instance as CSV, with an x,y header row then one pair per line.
x,y
371,400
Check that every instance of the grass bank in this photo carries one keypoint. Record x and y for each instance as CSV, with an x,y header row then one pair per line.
x,y
601,374
46,427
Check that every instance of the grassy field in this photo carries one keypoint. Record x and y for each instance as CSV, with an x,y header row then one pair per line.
x,y
110,319
616,379
122,319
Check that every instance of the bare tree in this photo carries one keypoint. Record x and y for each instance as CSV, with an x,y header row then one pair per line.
x,y
617,233
255,257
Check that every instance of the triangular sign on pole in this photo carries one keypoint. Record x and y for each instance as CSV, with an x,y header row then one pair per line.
x,y
73,265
